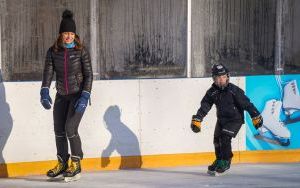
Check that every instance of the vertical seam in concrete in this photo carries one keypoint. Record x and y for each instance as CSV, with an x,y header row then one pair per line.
x,y
93,37
0,49
140,118
189,34
278,39
0,45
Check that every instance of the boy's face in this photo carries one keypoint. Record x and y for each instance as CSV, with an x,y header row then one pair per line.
x,y
221,81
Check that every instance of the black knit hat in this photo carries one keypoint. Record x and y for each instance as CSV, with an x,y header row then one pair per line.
x,y
67,23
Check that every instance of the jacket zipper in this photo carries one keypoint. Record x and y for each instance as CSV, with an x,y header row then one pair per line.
x,y
66,72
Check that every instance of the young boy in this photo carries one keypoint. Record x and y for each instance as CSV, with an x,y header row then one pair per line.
x,y
230,103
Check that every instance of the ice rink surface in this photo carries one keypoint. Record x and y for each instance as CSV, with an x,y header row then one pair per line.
x,y
240,175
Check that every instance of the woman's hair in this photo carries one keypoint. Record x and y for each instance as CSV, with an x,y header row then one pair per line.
x,y
58,44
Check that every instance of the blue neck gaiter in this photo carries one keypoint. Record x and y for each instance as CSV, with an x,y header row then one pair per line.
x,y
70,45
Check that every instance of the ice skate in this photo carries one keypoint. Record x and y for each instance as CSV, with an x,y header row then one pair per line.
x,y
291,98
211,170
266,135
73,172
222,167
56,173
273,128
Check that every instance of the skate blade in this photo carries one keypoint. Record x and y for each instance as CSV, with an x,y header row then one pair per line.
x,y
211,173
272,141
74,178
220,174
57,178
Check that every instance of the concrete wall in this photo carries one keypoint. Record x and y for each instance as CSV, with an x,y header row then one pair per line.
x,y
127,118
238,33
139,38
29,28
250,36
127,39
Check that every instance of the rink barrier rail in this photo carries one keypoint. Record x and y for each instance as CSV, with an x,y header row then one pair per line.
x,y
152,161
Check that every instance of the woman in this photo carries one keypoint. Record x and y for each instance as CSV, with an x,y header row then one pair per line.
x,y
72,65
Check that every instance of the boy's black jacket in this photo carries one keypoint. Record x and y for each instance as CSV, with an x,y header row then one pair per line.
x,y
230,103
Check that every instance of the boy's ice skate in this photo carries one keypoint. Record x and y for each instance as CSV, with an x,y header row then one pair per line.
x,y
219,167
291,98
57,172
211,169
73,172
273,129
222,167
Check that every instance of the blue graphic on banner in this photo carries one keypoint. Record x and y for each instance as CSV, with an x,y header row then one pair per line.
x,y
278,99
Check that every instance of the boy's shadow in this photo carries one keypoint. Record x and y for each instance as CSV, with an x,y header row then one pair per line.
x,y
123,140
6,125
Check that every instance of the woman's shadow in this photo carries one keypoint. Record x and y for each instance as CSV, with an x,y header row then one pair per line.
x,y
6,125
123,140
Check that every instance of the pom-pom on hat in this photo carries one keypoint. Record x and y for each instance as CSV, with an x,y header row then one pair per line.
x,y
67,23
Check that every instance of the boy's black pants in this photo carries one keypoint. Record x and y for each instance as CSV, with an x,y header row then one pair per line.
x,y
66,123
222,139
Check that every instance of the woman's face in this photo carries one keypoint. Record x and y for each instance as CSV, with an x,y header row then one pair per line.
x,y
68,37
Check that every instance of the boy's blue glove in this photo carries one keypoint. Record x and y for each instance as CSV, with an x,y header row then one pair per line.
x,y
82,102
46,100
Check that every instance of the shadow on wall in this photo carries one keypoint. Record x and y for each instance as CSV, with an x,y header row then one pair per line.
x,y
5,127
123,140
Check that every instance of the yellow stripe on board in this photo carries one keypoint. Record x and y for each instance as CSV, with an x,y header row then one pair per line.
x,y
151,161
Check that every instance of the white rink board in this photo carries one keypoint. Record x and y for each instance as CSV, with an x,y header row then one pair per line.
x,y
167,107
155,119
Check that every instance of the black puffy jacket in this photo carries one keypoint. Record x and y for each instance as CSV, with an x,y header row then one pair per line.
x,y
73,70
230,103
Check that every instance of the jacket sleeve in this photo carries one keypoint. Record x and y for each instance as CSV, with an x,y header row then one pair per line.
x,y
244,103
206,104
86,70
48,69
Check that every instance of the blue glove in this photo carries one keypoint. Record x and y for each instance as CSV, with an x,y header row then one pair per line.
x,y
45,98
82,102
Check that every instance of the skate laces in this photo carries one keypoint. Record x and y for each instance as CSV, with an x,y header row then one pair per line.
x,y
273,112
215,163
293,87
222,164
59,166
73,167
273,108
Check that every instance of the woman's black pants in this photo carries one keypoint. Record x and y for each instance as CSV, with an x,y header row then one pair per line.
x,y
66,123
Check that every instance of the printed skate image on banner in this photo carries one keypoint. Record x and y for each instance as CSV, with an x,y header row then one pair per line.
x,y
273,130
278,100
291,100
